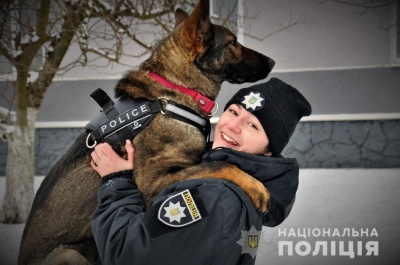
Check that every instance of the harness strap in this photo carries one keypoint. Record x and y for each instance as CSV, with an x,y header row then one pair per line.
x,y
155,106
187,115
105,102
107,105
115,126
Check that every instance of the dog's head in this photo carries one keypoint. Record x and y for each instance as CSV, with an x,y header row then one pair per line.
x,y
217,50
202,55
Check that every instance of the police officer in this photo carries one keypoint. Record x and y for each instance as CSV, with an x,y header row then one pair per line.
x,y
205,221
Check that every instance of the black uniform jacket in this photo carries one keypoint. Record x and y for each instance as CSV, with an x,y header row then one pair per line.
x,y
201,221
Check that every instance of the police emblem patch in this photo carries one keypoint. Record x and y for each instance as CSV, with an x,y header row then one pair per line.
x,y
250,241
179,210
253,101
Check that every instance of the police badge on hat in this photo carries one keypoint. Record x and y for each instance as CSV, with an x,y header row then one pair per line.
x,y
254,101
179,210
250,241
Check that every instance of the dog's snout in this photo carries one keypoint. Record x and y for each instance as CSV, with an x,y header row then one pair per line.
x,y
271,63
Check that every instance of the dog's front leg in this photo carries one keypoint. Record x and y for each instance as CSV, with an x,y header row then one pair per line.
x,y
253,187
223,170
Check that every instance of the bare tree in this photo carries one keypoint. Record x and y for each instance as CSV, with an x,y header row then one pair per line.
x,y
35,37
46,29
363,5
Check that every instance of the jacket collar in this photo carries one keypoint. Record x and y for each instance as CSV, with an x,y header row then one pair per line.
x,y
263,168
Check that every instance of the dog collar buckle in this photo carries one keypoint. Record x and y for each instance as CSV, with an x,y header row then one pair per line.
x,y
205,103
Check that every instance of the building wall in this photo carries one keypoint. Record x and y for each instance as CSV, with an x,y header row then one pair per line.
x,y
315,144
340,56
309,34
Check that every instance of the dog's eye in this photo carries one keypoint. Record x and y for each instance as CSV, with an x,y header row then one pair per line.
x,y
233,42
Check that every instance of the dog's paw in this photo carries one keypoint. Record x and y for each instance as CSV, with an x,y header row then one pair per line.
x,y
253,187
257,193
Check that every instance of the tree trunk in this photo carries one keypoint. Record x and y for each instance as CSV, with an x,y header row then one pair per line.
x,y
19,190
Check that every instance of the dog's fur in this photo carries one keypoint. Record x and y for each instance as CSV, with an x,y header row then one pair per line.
x,y
198,54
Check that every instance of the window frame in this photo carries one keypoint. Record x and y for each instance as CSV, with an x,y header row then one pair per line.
x,y
395,34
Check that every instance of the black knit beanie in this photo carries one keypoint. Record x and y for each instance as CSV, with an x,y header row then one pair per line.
x,y
278,106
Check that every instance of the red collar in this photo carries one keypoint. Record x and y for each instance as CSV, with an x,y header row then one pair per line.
x,y
205,103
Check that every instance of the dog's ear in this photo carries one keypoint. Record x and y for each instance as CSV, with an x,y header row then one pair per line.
x,y
197,27
180,16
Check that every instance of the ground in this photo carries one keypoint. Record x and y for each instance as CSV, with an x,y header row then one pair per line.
x,y
350,208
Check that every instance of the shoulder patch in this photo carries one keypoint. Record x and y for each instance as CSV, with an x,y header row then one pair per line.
x,y
179,210
250,241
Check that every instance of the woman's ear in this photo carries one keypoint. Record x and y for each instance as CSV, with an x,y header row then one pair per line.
x,y
268,153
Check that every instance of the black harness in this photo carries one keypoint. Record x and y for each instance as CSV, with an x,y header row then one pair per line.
x,y
125,118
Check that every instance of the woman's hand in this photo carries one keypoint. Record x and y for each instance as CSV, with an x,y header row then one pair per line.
x,y
106,161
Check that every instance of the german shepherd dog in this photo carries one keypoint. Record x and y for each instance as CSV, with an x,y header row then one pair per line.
x,y
198,55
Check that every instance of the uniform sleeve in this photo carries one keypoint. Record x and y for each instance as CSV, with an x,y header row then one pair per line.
x,y
277,214
128,232
120,204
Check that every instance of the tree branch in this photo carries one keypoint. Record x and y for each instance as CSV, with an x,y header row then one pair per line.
x,y
6,54
8,119
287,26
39,87
371,4
368,4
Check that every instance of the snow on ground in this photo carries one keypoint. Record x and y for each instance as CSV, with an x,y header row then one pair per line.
x,y
328,201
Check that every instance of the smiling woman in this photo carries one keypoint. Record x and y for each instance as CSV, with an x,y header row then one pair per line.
x,y
272,108
261,119
240,130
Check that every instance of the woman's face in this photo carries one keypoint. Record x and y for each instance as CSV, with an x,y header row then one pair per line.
x,y
240,130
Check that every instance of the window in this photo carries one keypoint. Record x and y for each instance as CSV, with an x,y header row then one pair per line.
x,y
395,45
225,12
